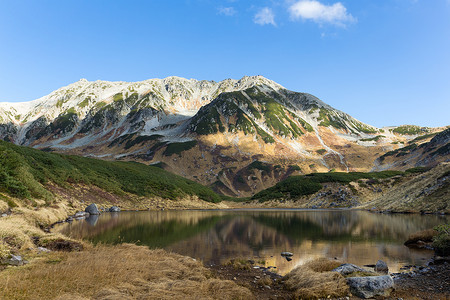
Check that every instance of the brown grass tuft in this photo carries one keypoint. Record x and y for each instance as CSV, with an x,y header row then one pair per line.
x,y
307,283
240,264
116,272
322,265
265,280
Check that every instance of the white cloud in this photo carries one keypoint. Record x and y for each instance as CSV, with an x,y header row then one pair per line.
x,y
227,11
265,16
321,13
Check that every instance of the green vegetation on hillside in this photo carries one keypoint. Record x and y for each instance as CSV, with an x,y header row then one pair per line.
x,y
441,242
177,148
410,129
373,139
363,127
399,152
25,172
297,186
239,112
259,165
422,137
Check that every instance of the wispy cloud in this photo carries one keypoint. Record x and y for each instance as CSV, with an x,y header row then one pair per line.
x,y
227,11
265,16
321,13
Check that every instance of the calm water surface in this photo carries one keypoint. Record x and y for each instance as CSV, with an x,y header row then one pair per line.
x,y
213,236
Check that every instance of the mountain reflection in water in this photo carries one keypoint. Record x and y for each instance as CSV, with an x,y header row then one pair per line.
x,y
216,236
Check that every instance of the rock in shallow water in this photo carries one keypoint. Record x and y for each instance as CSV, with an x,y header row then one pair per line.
x,y
114,209
92,209
371,286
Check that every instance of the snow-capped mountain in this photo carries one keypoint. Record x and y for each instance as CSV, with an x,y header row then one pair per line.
x,y
218,129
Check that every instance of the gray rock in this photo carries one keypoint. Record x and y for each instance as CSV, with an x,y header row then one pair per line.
x,y
346,269
4,215
114,209
42,249
14,260
381,267
92,209
286,254
371,286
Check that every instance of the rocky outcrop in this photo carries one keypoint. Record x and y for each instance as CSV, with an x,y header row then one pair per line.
x,y
371,286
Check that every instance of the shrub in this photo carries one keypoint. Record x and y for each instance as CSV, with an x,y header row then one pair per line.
x,y
441,242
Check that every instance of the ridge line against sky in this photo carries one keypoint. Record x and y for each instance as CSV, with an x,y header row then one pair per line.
x,y
383,62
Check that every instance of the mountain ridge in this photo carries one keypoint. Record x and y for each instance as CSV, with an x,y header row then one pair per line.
x,y
209,126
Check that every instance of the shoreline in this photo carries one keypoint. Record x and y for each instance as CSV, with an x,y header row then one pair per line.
x,y
227,275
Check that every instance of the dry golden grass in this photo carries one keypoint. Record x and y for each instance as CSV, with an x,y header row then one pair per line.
x,y
265,280
424,236
116,272
314,280
240,264
17,234
322,264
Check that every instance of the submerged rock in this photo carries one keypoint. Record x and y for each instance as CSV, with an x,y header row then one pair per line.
x,y
371,286
346,269
92,209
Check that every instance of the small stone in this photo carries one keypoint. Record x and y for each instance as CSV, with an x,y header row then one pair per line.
x,y
381,267
14,260
42,249
286,254
4,215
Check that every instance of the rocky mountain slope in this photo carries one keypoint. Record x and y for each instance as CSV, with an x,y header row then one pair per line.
x,y
425,150
238,136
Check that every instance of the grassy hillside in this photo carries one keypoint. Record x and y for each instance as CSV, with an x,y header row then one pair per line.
x,y
297,186
25,172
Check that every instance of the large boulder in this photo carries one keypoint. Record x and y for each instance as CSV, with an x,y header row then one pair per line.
x,y
92,209
381,267
346,269
371,286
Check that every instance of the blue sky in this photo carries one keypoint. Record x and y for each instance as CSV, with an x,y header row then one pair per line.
x,y
385,62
